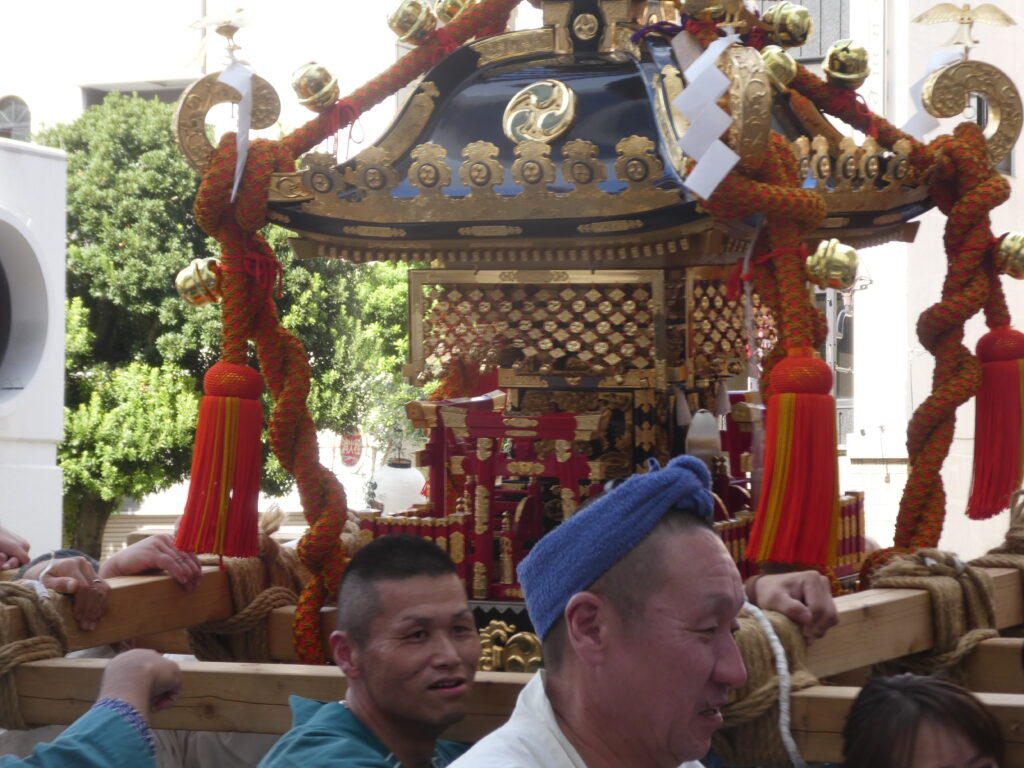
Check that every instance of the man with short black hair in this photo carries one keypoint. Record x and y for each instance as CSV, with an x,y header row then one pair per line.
x,y
408,646
635,598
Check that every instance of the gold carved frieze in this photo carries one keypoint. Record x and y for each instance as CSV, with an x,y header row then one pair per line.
x,y
491,230
525,467
481,171
582,168
608,227
533,169
862,177
410,123
750,101
428,172
385,232
373,176
638,164
502,649
457,547
513,45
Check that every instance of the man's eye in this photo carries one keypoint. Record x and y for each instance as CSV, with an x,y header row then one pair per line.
x,y
463,629
419,634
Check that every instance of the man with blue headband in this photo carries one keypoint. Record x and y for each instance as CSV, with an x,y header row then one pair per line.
x,y
635,598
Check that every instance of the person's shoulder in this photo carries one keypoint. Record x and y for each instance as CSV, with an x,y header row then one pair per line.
x,y
507,747
321,731
447,752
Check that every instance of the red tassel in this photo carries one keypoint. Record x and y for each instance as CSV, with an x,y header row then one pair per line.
x,y
999,423
797,519
221,514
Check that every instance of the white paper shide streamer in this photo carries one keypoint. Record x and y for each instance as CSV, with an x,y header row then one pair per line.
x,y
705,84
238,75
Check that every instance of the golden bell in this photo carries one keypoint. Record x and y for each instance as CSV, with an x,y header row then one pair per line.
x,y
781,67
1010,255
833,265
199,282
846,65
448,11
791,24
413,21
315,86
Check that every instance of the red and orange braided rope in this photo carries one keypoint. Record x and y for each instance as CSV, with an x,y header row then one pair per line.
x,y
248,275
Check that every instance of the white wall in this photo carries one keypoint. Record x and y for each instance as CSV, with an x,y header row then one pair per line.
x,y
32,368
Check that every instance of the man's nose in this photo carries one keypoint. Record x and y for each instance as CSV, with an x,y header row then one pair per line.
x,y
445,653
729,669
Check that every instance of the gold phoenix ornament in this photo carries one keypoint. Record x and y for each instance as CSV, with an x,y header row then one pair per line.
x,y
965,17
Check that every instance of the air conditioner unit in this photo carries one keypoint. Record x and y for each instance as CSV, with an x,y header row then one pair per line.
x,y
32,238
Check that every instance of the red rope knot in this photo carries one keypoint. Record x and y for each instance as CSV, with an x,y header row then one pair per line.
x,y
734,286
266,271
343,113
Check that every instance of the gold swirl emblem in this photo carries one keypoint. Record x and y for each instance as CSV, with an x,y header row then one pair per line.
x,y
542,111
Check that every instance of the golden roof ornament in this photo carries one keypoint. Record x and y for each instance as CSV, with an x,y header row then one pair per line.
x,y
965,17
846,65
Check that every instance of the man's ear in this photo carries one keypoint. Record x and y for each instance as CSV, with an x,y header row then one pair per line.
x,y
345,653
586,623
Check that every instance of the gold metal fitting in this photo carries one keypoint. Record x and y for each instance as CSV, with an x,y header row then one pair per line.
x,y
1010,255
833,265
846,65
791,24
695,8
448,11
315,86
781,67
412,21
199,282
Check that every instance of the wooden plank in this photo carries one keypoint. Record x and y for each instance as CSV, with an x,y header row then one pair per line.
x,y
996,666
144,605
819,714
881,624
247,698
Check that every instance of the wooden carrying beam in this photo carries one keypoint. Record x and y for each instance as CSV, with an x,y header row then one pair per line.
x,y
247,698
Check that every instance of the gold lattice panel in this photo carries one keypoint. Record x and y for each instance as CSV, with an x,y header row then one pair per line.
x,y
585,328
717,338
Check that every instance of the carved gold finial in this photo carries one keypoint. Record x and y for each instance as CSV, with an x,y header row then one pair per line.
x,y
833,265
965,17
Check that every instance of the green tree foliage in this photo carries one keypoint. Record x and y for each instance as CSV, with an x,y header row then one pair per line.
x,y
136,353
